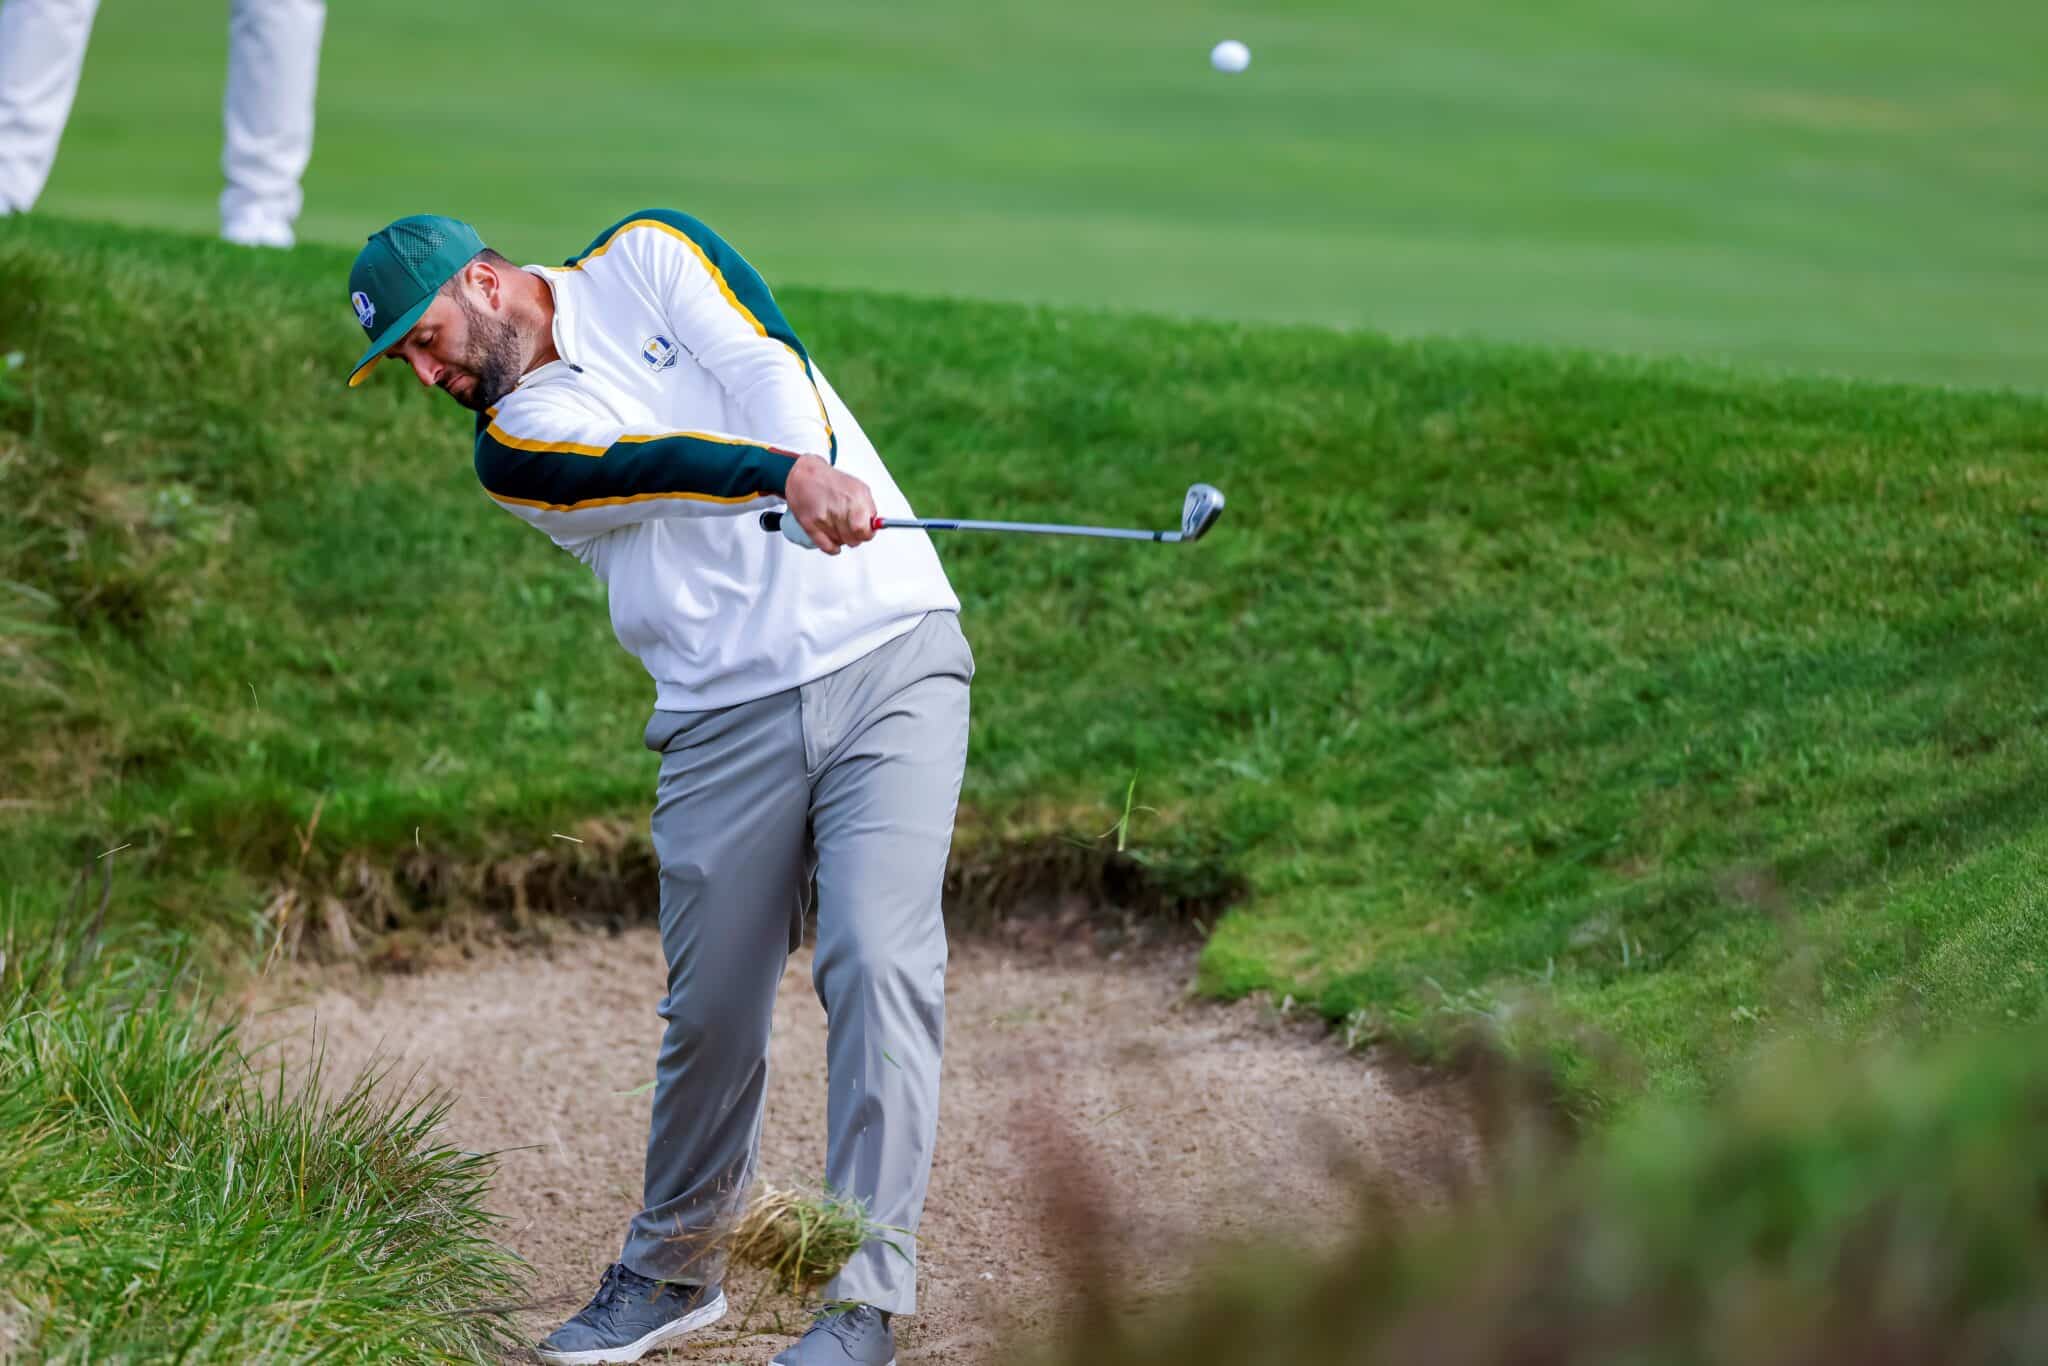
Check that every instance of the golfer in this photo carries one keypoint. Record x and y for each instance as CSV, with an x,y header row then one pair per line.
x,y
638,405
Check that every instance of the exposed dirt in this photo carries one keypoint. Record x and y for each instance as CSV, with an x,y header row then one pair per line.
x,y
424,907
1197,1125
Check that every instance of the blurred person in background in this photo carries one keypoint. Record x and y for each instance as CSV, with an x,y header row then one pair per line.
x,y
273,60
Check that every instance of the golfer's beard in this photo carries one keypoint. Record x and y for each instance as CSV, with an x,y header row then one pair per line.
x,y
494,358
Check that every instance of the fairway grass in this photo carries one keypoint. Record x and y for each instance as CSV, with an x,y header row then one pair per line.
x,y
1843,186
1640,712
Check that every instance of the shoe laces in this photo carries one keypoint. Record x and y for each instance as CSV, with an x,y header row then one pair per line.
x,y
619,1280
845,1322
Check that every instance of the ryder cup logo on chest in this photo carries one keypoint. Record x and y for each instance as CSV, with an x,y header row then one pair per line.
x,y
659,352
366,312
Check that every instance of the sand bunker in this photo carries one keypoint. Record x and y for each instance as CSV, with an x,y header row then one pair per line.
x,y
1198,1125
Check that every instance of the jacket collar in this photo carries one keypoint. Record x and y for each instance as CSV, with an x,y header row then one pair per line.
x,y
566,304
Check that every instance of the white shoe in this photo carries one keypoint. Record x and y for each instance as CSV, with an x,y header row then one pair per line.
x,y
257,232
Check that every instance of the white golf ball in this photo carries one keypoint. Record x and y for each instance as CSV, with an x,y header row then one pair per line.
x,y
1230,56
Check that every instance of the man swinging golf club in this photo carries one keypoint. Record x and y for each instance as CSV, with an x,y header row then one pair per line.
x,y
810,713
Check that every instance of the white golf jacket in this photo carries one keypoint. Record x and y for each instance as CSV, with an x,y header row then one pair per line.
x,y
681,400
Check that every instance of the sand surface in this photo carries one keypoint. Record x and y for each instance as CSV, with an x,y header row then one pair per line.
x,y
1076,1086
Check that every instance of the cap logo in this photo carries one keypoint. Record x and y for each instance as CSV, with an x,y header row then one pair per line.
x,y
659,352
366,312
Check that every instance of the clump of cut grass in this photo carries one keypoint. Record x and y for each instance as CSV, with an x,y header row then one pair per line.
x,y
801,1240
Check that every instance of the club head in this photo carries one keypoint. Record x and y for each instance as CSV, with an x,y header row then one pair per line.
x,y
1203,506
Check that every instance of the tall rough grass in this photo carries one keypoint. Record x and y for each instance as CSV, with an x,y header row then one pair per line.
x,y
1877,1210
162,1199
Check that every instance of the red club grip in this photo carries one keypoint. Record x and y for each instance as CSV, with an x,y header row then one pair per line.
x,y
879,524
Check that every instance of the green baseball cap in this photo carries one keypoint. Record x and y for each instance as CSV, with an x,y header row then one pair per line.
x,y
397,274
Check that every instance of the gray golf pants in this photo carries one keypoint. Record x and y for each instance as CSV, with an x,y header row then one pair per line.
x,y
854,777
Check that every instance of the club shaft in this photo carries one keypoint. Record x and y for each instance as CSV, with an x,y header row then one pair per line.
x,y
1029,528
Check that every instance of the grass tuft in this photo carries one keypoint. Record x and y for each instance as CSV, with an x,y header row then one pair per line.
x,y
800,1240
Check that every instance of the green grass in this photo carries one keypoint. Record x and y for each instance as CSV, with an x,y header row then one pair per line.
x,y
162,1199
1847,186
1563,691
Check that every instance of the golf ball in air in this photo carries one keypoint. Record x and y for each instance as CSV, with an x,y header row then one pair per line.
x,y
1230,56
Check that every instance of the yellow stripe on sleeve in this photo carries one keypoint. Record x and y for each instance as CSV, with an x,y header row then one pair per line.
x,y
623,501
527,443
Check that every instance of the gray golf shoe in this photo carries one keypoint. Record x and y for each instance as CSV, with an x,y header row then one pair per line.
x,y
848,1335
629,1317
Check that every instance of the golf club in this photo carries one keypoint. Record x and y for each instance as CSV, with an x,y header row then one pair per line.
x,y
1199,511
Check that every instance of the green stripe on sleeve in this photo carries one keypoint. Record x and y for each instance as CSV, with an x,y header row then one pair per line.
x,y
679,465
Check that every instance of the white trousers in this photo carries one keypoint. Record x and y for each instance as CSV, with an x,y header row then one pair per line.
x,y
273,62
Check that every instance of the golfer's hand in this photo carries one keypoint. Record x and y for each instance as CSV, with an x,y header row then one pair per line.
x,y
834,509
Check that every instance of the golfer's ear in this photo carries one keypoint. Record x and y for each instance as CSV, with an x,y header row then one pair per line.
x,y
482,276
